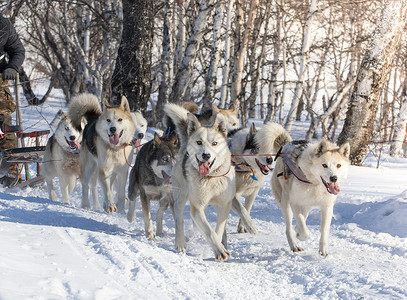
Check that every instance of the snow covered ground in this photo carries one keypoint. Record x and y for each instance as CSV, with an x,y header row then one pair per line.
x,y
55,251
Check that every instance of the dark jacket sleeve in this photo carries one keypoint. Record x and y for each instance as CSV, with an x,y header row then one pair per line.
x,y
14,48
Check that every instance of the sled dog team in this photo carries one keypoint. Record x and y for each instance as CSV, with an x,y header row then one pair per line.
x,y
202,157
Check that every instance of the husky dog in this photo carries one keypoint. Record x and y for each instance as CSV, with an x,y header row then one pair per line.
x,y
106,148
150,178
203,174
61,157
253,152
140,124
308,175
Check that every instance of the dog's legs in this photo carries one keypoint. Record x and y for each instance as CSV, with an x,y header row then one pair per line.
x,y
51,189
67,184
223,213
164,203
288,217
133,193
199,218
108,204
244,215
87,173
248,203
148,223
180,195
301,215
120,184
326,217
94,190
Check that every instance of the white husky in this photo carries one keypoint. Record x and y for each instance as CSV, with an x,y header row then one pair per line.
x,y
140,124
253,153
305,176
106,148
203,174
61,157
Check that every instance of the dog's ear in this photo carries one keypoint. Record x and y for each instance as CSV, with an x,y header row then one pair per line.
x,y
253,129
124,104
234,109
221,124
321,148
157,140
174,138
58,117
107,104
193,124
345,150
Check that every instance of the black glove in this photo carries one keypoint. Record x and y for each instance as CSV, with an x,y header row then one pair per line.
x,y
9,74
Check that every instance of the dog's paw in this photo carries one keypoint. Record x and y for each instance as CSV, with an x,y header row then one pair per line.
x,y
302,235
241,229
150,236
297,249
222,254
323,250
110,208
181,246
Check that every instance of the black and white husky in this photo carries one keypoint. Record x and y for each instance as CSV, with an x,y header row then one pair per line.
x,y
150,178
61,157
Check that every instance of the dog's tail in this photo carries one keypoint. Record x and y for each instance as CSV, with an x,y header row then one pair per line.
x,y
84,108
271,137
178,116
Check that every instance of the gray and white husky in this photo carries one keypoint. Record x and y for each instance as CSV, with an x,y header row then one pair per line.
x,y
61,157
106,148
305,176
203,173
253,153
150,178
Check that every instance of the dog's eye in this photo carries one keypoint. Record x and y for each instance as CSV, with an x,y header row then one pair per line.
x,y
108,120
338,166
234,124
165,158
120,120
325,166
199,143
214,143
66,128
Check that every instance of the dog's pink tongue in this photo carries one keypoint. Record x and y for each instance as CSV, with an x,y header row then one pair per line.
x,y
75,145
167,178
334,188
114,139
204,168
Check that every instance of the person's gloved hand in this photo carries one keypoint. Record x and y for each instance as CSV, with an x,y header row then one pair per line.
x,y
9,74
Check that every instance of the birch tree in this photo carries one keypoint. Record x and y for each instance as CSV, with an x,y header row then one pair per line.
x,y
303,65
210,82
400,128
372,74
183,76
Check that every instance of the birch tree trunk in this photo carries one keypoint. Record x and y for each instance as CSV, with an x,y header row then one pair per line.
x,y
241,42
400,128
225,77
372,74
184,74
210,82
166,62
303,65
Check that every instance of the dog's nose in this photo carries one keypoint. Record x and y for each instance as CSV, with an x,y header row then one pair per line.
x,y
72,137
333,178
206,156
140,136
269,160
113,130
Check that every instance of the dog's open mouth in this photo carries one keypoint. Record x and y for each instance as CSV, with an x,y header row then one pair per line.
x,y
332,187
204,166
136,143
167,178
115,138
74,146
263,168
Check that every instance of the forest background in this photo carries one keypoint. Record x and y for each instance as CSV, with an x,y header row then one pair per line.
x,y
341,65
